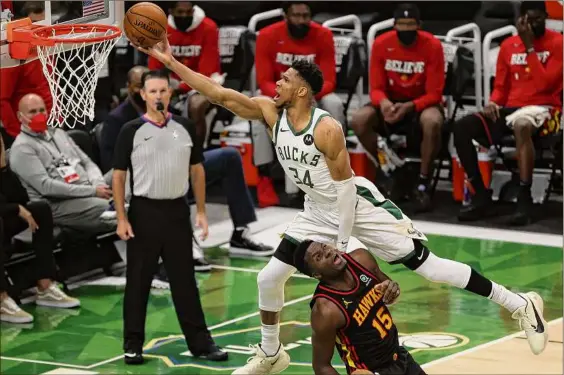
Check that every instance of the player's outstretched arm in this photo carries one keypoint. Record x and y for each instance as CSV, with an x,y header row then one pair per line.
x,y
326,319
241,105
330,140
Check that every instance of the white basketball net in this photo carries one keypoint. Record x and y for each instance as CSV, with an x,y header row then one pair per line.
x,y
72,70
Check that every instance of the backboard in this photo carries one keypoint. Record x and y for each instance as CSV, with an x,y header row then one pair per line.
x,y
107,12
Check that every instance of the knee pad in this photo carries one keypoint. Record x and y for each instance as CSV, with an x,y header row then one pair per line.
x,y
271,280
440,270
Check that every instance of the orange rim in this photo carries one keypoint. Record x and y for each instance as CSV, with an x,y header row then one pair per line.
x,y
42,36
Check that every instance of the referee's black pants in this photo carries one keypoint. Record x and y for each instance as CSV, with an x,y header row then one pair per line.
x,y
162,228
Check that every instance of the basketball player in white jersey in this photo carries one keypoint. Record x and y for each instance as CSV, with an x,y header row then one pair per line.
x,y
310,146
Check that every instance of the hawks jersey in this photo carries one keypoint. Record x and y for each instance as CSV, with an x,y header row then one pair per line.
x,y
301,160
369,340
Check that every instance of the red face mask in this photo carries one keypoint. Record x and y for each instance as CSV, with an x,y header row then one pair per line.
x,y
38,123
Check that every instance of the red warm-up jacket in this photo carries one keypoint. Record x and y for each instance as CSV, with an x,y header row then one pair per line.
x,y
529,78
15,83
401,73
197,48
276,51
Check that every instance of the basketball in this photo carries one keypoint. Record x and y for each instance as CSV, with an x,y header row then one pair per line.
x,y
145,24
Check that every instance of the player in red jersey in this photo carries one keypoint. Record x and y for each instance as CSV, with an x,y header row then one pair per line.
x,y
194,39
526,101
406,87
294,38
349,312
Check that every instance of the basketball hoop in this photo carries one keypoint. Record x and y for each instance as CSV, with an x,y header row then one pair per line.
x,y
72,56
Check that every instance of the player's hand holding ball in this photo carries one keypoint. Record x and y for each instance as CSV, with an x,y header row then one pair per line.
x,y
391,291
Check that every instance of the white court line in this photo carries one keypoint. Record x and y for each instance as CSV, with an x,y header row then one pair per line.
x,y
482,233
229,268
43,362
223,324
479,347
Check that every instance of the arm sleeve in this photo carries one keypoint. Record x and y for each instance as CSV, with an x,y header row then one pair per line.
x,y
550,77
209,60
346,202
124,146
265,65
377,75
94,174
27,166
501,84
327,64
197,154
435,80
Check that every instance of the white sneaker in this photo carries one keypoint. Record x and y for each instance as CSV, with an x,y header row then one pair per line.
x,y
261,364
55,297
10,312
532,321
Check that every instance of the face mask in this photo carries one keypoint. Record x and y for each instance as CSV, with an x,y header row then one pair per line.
x,y
538,29
183,23
138,99
298,31
407,37
38,123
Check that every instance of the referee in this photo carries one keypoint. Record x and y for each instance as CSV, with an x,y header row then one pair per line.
x,y
161,153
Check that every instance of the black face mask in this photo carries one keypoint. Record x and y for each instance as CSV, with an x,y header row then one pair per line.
x,y
183,23
407,37
298,31
538,29
138,99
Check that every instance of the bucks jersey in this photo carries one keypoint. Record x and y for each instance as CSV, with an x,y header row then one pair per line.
x,y
369,339
301,160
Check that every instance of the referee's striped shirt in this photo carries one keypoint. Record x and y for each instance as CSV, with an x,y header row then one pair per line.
x,y
158,157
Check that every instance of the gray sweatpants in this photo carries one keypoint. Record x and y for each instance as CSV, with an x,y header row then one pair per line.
x,y
82,214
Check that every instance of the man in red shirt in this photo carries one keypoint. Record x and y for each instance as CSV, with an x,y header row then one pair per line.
x,y
526,101
294,38
406,86
194,39
18,81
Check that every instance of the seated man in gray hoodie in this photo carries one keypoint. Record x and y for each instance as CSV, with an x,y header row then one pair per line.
x,y
52,167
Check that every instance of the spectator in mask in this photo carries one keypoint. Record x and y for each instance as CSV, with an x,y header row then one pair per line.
x,y
406,86
52,167
194,39
297,37
132,108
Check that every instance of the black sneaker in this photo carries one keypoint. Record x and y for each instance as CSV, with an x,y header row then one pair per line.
x,y
213,353
480,207
242,244
422,201
201,265
133,357
522,214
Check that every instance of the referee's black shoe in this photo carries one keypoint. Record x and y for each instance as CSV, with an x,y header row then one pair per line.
x,y
213,353
133,357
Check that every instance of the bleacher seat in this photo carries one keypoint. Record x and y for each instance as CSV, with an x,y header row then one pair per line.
x,y
237,52
83,140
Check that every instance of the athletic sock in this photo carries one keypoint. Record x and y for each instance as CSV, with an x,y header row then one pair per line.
x,y
270,339
506,298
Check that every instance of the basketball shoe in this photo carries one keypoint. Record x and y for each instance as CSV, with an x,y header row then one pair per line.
x,y
261,364
532,321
